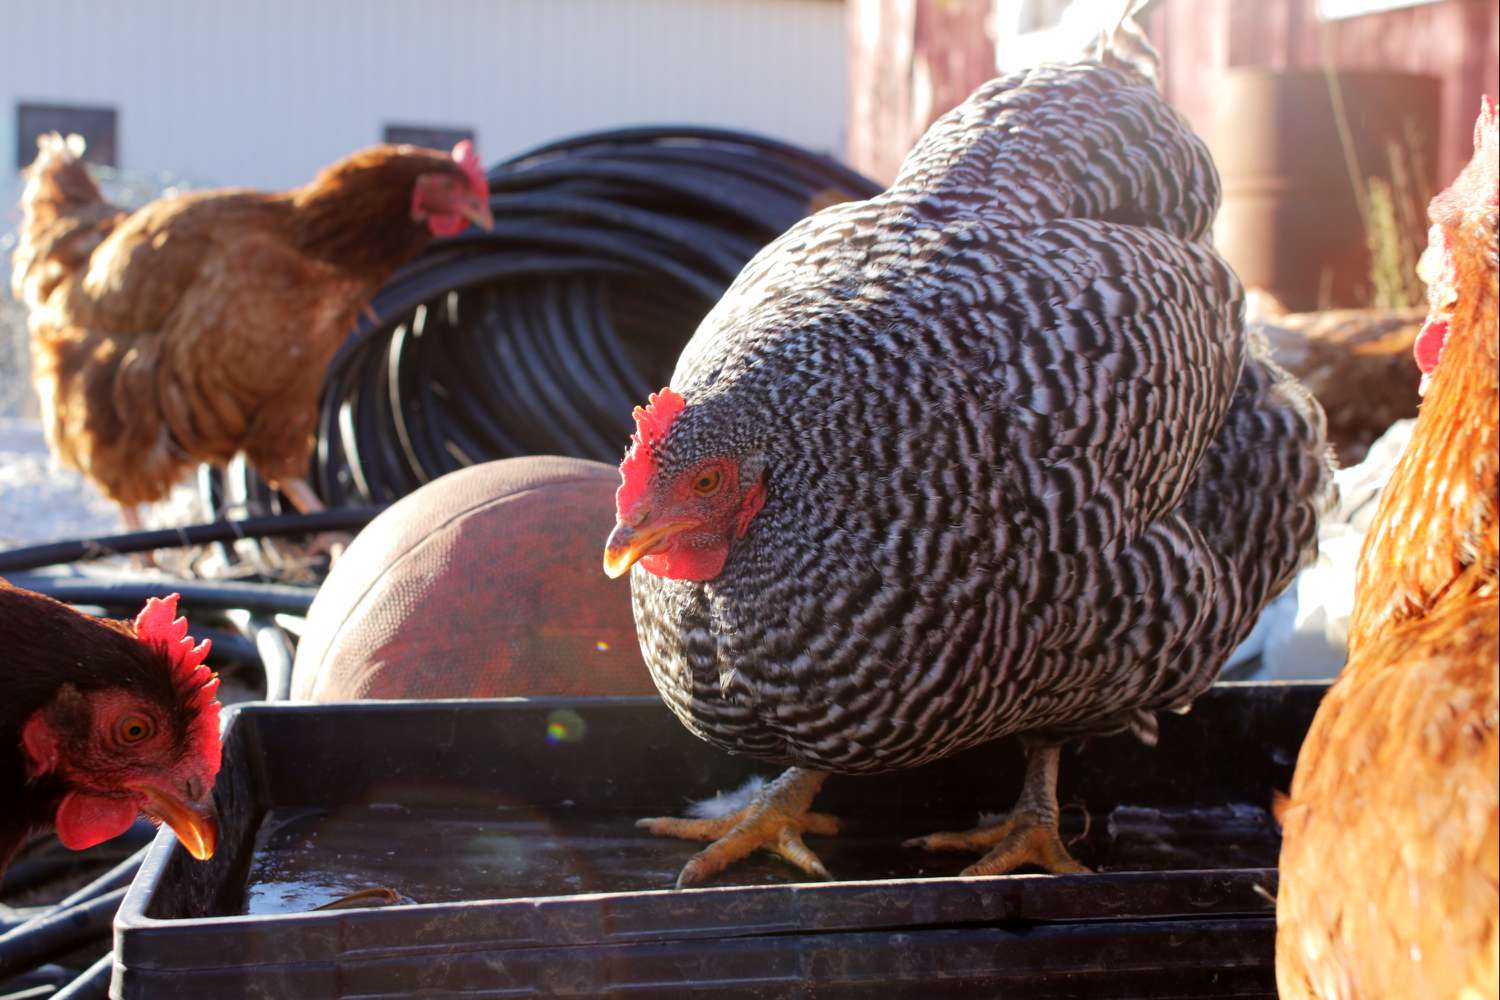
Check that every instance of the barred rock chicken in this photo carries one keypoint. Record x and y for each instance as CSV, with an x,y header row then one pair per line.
x,y
986,454
201,325
1390,862
102,720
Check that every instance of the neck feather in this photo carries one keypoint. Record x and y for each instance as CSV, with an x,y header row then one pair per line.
x,y
1435,539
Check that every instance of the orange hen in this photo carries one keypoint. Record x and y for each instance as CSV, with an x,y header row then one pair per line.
x,y
1391,856
200,326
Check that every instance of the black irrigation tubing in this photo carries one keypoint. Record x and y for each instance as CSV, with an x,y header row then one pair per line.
x,y
29,942
58,932
120,875
540,336
197,595
93,984
36,556
276,653
52,860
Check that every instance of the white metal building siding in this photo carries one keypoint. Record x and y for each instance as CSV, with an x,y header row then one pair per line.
x,y
263,92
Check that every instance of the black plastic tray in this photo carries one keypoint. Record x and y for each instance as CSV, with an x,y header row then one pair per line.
x,y
1181,905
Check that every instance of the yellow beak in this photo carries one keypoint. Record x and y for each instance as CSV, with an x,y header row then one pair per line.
x,y
195,823
478,212
626,545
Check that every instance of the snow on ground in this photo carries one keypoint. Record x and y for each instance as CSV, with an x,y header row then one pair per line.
x,y
39,500
43,501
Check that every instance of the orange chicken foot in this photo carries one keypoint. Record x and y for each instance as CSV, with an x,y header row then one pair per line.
x,y
1026,835
775,819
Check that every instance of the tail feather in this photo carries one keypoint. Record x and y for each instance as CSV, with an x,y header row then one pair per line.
x,y
64,216
57,182
1123,45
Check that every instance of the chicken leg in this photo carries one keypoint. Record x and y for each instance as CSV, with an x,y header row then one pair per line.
x,y
130,514
300,492
1026,835
775,819
140,562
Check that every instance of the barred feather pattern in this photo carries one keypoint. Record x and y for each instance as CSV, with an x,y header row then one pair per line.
x,y
1025,473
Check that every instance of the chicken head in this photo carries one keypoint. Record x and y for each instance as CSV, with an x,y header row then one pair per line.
x,y
150,748
448,202
678,518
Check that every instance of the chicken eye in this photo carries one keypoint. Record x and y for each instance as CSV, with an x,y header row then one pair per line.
x,y
133,729
707,483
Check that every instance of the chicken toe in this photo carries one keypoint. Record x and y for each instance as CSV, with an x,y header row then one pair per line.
x,y
775,819
1027,835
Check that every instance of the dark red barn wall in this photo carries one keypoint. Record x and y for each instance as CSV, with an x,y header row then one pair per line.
x,y
912,60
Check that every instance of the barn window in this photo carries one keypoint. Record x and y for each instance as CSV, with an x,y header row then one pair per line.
x,y
96,125
431,136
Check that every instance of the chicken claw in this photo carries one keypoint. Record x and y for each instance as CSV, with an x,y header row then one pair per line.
x,y
1027,835
775,819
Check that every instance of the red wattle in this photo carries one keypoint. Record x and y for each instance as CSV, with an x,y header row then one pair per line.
x,y
681,562
84,820
1429,344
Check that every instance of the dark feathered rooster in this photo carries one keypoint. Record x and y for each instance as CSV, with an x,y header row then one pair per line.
x,y
987,454
103,720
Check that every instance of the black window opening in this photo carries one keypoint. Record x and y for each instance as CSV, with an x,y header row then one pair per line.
x,y
430,136
98,126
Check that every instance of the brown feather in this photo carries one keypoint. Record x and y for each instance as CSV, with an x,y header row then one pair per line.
x,y
200,326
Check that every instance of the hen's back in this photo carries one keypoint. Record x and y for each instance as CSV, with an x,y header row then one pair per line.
x,y
1078,141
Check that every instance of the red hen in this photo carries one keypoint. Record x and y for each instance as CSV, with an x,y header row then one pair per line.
x,y
102,720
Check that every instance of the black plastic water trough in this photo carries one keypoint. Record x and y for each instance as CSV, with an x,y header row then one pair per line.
x,y
505,830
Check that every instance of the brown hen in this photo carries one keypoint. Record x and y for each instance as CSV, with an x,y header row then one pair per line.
x,y
1356,363
1391,857
200,326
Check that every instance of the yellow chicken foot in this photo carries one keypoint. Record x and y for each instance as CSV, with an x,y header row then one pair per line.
x,y
775,819
1027,834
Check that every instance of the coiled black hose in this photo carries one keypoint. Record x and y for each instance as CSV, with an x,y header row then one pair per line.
x,y
540,336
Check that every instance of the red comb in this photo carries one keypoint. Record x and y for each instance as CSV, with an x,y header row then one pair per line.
x,y
158,626
1486,126
651,425
465,156
1486,137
